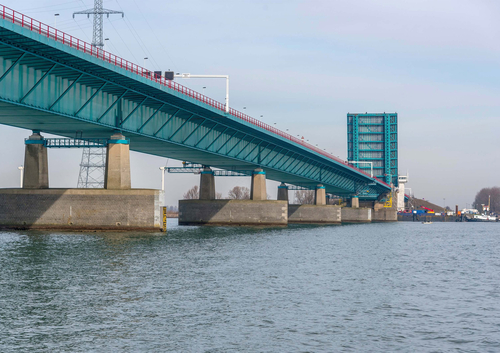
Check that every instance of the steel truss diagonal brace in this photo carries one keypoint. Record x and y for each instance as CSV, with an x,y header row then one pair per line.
x,y
236,144
179,129
209,131
37,83
133,111
90,99
66,91
166,122
194,130
248,143
112,105
225,143
151,117
12,66
223,131
253,149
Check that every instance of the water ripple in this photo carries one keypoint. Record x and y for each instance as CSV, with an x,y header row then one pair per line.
x,y
369,288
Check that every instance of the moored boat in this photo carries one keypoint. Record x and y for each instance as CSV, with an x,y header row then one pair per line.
x,y
481,218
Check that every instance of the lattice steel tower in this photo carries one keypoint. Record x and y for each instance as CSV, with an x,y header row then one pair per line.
x,y
98,12
373,138
92,168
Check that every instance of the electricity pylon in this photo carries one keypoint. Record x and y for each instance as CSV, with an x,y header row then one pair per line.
x,y
98,12
92,168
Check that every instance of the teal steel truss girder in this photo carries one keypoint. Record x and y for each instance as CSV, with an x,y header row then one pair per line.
x,y
387,154
71,142
89,99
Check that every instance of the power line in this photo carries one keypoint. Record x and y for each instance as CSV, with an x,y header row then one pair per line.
x,y
138,39
154,33
44,7
98,11
124,42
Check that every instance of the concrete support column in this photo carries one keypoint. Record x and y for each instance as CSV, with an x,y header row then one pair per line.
x,y
117,174
354,202
36,165
258,189
207,184
320,195
283,192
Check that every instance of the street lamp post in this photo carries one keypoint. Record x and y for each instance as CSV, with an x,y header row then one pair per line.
x,y
162,197
21,169
55,20
210,76
370,163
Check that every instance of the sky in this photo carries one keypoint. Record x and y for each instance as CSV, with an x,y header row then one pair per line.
x,y
303,65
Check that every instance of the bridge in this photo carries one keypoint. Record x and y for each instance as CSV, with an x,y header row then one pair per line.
x,y
55,83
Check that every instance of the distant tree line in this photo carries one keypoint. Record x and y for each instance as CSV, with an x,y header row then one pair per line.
x,y
236,193
482,199
302,197
194,194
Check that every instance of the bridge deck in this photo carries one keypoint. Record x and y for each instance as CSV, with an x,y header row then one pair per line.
x,y
55,83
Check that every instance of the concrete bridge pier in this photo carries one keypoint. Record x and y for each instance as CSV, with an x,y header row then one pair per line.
x,y
283,192
117,172
258,190
355,214
256,211
320,195
207,184
319,213
36,165
117,207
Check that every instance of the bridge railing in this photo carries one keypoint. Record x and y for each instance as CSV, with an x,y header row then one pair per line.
x,y
51,32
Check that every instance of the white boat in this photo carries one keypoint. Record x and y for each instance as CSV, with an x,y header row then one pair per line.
x,y
427,222
481,218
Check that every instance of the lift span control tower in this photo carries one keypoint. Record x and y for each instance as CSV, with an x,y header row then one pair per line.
x,y
372,144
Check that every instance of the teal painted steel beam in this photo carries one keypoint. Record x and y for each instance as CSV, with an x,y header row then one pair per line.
x,y
134,110
225,143
272,159
194,130
90,99
294,164
249,153
244,148
65,92
236,144
166,122
8,71
208,132
285,161
298,168
210,145
182,125
112,105
150,118
37,83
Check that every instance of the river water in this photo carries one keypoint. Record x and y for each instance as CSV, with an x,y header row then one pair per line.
x,y
354,288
